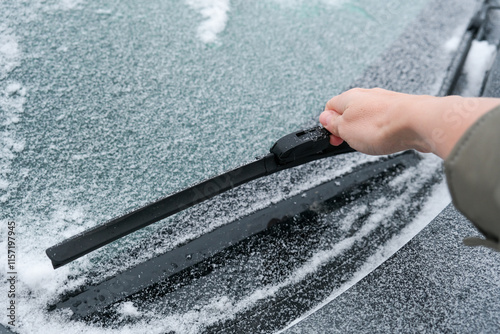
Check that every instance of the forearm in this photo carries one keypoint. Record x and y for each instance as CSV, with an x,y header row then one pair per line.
x,y
439,122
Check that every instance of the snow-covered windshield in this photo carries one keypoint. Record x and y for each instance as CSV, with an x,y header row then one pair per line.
x,y
108,105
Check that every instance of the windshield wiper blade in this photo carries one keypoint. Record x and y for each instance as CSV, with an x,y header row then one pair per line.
x,y
292,150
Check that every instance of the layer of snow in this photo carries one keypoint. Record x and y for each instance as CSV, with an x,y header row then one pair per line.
x,y
479,60
215,15
9,51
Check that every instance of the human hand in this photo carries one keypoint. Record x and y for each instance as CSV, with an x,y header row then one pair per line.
x,y
372,121
377,121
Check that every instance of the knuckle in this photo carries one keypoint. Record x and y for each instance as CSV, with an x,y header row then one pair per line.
x,y
356,90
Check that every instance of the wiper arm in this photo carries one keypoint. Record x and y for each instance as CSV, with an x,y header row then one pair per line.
x,y
291,150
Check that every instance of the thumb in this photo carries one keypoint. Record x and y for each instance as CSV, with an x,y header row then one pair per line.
x,y
328,119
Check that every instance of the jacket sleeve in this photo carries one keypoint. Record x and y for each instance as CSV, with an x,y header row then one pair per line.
x,y
473,176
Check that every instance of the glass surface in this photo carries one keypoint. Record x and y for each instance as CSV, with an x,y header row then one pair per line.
x,y
106,106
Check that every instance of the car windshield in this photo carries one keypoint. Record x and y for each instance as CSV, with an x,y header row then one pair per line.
x,y
108,105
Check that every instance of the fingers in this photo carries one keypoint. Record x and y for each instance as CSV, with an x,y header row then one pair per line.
x,y
329,120
362,117
336,141
341,102
334,112
325,118
337,103
332,117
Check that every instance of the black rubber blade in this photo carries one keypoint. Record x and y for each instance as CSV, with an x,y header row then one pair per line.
x,y
291,150
92,239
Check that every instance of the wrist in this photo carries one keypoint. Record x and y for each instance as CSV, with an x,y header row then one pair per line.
x,y
435,124
418,112
439,122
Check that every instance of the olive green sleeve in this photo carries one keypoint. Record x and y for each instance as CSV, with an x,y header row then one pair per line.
x,y
473,176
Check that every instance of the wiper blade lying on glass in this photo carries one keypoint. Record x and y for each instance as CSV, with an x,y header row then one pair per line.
x,y
291,150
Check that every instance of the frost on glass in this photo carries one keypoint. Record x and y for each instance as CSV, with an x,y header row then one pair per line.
x,y
106,106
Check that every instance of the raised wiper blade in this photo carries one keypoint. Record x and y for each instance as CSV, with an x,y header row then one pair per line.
x,y
291,150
